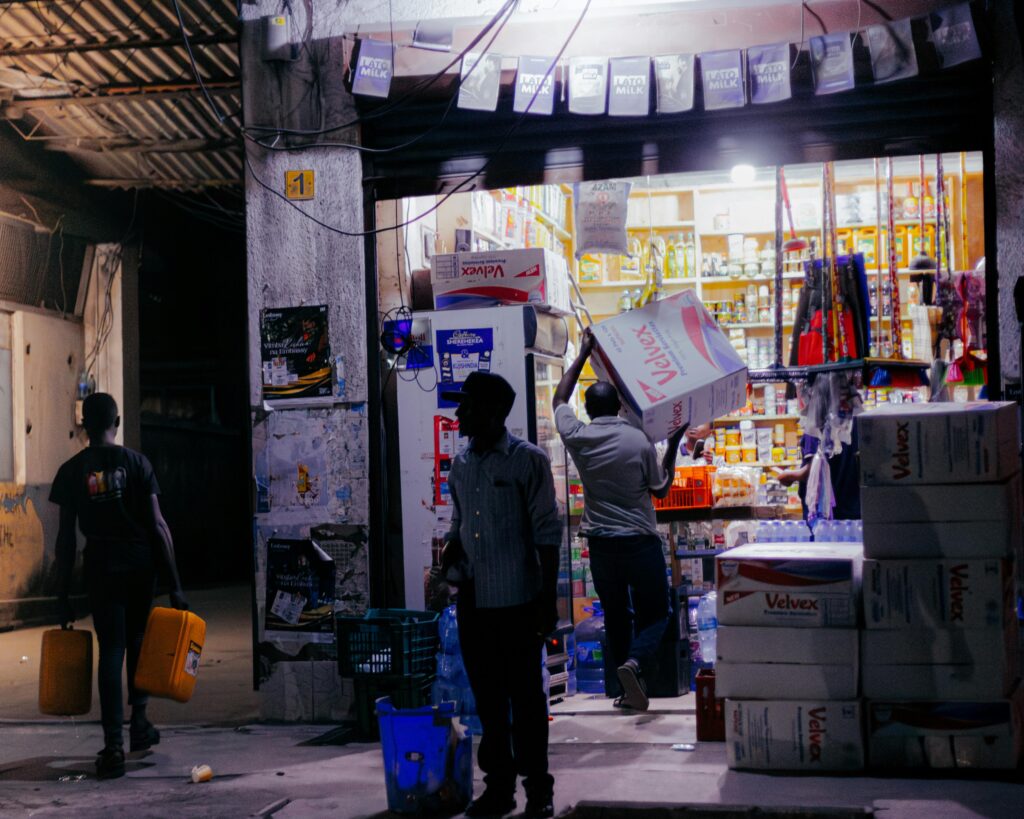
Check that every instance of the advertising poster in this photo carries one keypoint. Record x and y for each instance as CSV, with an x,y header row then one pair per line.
x,y
300,591
588,85
674,75
600,210
954,36
480,82
459,353
296,355
832,60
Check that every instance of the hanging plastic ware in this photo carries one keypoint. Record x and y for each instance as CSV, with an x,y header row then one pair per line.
x,y
819,498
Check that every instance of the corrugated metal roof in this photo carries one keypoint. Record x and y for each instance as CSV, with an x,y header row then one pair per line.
x,y
110,82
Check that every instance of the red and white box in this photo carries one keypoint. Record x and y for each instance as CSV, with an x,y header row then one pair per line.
x,y
526,276
672,365
794,735
800,585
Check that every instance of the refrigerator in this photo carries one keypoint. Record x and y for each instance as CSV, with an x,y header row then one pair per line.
x,y
526,347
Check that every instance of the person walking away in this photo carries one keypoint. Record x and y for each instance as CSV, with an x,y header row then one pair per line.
x,y
502,553
110,491
620,471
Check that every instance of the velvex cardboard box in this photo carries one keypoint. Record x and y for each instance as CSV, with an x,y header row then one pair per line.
x,y
914,594
907,444
527,276
958,734
936,682
749,644
672,365
801,585
815,735
786,680
942,520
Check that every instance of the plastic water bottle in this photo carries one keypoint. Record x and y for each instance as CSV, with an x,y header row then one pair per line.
x,y
590,643
448,629
707,626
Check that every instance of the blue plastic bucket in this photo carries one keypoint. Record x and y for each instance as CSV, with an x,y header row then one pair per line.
x,y
428,761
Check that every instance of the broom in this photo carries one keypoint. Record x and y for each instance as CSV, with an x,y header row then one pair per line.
x,y
895,371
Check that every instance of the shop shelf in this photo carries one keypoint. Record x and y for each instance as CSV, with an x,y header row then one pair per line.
x,y
732,419
685,554
723,280
387,642
691,489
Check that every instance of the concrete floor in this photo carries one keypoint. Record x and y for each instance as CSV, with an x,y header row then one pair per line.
x,y
598,755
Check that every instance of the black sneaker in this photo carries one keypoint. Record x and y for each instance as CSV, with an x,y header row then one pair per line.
x,y
539,807
143,736
490,803
634,696
110,763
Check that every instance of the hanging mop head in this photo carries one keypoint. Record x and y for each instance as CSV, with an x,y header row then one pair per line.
x,y
923,262
795,245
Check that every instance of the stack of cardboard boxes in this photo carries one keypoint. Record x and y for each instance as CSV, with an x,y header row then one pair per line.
x,y
941,502
787,655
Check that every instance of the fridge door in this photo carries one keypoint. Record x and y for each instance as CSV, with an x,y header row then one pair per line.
x,y
543,373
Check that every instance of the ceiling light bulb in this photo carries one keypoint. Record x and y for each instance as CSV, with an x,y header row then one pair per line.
x,y
742,174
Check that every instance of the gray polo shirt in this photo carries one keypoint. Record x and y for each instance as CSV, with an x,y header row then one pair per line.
x,y
504,509
619,468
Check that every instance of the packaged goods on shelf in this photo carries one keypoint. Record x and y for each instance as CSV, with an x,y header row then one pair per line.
x,y
794,735
982,734
789,584
905,444
786,680
942,520
671,364
735,485
531,276
951,593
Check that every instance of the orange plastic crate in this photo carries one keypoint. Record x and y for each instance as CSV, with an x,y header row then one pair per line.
x,y
691,489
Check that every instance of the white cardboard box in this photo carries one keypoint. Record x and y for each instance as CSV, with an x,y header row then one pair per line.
x,y
914,594
803,585
671,364
936,682
996,645
750,644
985,734
960,539
786,680
904,444
526,276
942,520
794,735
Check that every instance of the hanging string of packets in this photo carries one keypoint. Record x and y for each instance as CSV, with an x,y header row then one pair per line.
x,y
622,86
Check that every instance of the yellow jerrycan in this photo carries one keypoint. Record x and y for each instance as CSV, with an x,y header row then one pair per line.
x,y
65,672
171,648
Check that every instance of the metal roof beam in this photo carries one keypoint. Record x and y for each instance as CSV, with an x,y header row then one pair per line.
x,y
69,144
116,45
180,184
111,95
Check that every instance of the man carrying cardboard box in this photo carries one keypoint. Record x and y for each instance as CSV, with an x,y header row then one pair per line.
x,y
619,469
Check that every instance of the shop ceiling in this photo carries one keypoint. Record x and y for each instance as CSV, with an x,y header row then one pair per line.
x,y
108,82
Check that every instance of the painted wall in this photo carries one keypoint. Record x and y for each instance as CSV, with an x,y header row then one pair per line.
x,y
41,356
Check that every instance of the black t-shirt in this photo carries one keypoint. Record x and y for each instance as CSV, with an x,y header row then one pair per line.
x,y
109,488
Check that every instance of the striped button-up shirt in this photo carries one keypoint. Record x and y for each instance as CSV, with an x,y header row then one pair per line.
x,y
503,510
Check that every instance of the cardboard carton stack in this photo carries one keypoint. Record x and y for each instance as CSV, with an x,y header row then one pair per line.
x,y
941,502
787,655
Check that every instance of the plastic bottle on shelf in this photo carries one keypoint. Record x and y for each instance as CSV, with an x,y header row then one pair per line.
x,y
625,302
707,626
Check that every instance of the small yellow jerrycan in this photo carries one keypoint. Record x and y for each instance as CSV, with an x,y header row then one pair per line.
x,y
65,672
171,648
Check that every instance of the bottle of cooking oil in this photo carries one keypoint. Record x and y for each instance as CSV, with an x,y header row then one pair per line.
x,y
671,262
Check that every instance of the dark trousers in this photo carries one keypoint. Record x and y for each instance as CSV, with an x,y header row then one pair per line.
x,y
120,607
502,654
630,579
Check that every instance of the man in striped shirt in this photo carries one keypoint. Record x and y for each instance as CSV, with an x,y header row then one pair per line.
x,y
502,553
